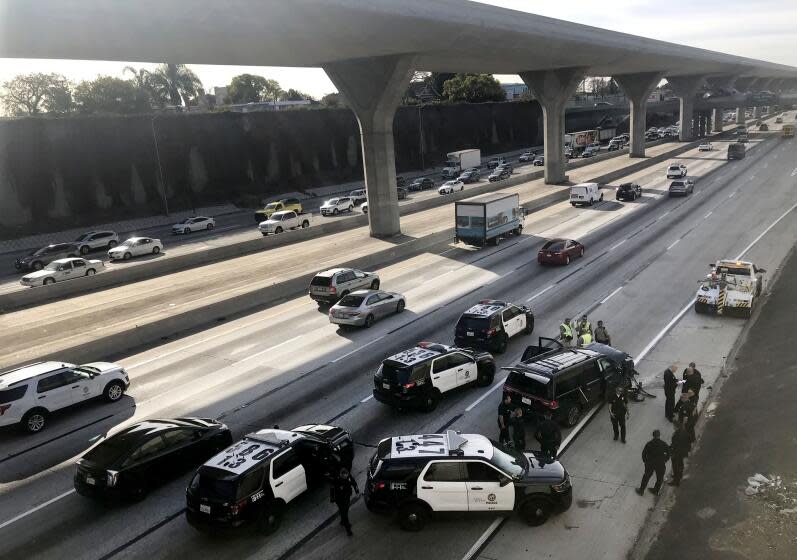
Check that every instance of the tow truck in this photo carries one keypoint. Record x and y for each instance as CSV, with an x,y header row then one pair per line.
x,y
732,288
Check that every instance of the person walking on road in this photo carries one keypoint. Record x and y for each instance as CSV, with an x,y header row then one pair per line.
x,y
504,419
618,412
602,335
518,430
566,333
686,409
670,384
654,455
340,494
679,449
549,437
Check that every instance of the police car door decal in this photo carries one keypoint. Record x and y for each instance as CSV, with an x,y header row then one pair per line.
x,y
485,492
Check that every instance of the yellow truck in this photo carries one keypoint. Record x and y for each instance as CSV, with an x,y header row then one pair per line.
x,y
788,131
278,206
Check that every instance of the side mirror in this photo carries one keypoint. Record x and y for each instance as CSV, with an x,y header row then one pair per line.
x,y
503,481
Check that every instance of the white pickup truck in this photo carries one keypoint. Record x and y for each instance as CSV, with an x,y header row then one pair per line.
x,y
281,221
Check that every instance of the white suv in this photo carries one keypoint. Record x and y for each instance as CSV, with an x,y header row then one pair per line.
x,y
96,240
334,206
30,393
676,171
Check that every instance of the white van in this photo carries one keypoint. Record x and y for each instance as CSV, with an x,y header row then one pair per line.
x,y
585,193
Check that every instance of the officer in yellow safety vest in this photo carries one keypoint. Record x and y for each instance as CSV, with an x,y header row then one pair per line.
x,y
584,338
584,326
566,333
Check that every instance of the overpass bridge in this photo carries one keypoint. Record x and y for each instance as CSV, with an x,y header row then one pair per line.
x,y
370,48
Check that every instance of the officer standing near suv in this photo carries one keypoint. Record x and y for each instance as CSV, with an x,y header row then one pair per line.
x,y
618,412
549,436
340,494
504,419
566,333
654,455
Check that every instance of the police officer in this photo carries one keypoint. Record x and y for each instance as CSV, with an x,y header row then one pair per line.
x,y
340,494
504,419
566,333
654,456
584,339
670,384
584,326
602,335
518,430
686,409
618,412
679,449
693,380
549,436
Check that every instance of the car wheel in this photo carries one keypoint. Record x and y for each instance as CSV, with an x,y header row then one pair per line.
x,y
567,259
210,227
84,250
270,518
334,211
535,511
127,256
500,346
305,224
573,415
37,265
34,421
413,516
137,491
430,403
375,285
601,198
112,244
529,324
369,321
400,306
581,252
113,391
91,272
485,375
278,230
156,250
48,281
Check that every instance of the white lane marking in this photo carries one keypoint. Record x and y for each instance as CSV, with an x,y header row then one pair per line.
x,y
486,394
368,398
707,215
607,298
538,294
732,194
667,212
578,427
346,355
613,247
793,173
481,540
766,165
752,177
674,244
35,509
763,233
698,192
256,354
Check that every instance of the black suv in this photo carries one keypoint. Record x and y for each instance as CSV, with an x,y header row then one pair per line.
x,y
418,377
421,184
628,191
418,475
499,175
471,175
491,323
258,476
36,260
565,381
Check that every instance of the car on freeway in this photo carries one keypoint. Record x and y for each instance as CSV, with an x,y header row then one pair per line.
x,y
358,197
628,191
491,324
603,104
401,193
363,307
560,251
763,127
585,193
254,480
614,146
705,147
36,260
278,206
30,394
416,476
364,207
470,176
589,152
135,247
449,187
526,156
681,187
335,206
676,170
283,221
421,184
538,161
401,182
334,284
194,223
63,269
499,175
778,120
495,162
419,376
94,240
130,463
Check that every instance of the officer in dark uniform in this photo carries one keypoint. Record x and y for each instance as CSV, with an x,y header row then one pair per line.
x,y
618,412
693,380
340,494
504,419
670,384
679,449
686,409
518,430
654,455
549,436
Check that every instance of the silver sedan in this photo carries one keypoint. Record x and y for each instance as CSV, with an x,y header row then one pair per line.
x,y
363,307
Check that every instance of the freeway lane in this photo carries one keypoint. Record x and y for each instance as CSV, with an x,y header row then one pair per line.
x,y
338,386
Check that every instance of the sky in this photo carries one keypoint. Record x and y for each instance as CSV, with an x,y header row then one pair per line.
x,y
761,29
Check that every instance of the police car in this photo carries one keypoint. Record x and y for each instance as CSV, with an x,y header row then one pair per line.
x,y
418,475
491,323
418,377
255,478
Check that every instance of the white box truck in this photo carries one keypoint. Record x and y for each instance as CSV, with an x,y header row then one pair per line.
x,y
457,162
486,218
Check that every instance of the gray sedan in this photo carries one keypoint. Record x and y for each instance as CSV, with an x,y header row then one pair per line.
x,y
363,307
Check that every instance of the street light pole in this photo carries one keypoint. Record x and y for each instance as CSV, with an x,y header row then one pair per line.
x,y
160,166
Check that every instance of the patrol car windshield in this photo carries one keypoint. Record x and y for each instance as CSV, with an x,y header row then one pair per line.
x,y
351,301
509,461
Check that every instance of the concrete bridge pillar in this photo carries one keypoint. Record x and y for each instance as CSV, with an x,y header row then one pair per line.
x,y
757,112
373,88
685,87
637,88
740,114
716,119
552,89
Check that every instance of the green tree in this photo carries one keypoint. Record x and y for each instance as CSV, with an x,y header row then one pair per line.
x,y
333,100
143,80
107,94
473,88
32,94
296,95
176,83
246,88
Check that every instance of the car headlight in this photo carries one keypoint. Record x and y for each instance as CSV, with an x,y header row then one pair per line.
x,y
112,477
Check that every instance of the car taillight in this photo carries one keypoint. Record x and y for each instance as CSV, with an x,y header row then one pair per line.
x,y
379,486
3,408
407,386
235,509
553,405
333,290
491,332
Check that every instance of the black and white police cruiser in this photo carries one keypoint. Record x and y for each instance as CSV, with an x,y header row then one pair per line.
x,y
491,323
418,377
418,475
255,478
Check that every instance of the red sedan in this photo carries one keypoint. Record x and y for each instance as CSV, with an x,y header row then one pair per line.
x,y
560,251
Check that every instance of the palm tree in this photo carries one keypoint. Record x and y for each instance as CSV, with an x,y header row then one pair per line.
x,y
143,80
176,83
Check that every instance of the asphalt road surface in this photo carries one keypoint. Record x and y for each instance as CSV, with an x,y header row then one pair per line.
x,y
287,365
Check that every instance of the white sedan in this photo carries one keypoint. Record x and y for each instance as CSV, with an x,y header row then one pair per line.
x,y
134,247
194,223
364,207
450,186
62,269
707,147
335,206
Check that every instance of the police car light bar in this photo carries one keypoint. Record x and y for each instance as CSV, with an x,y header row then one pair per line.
x,y
455,442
